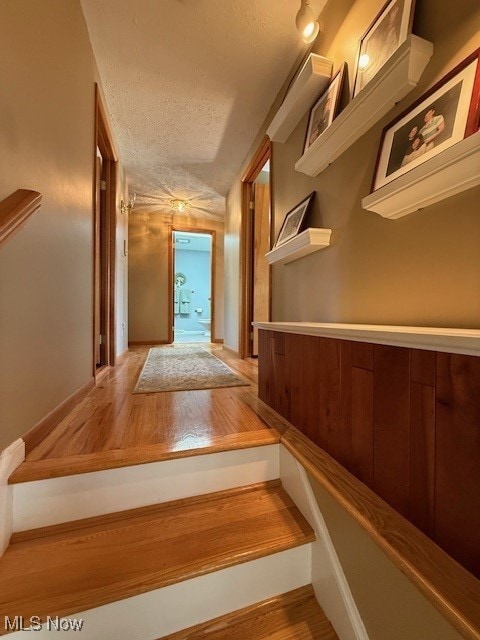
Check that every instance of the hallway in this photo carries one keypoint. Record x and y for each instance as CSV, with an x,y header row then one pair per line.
x,y
112,427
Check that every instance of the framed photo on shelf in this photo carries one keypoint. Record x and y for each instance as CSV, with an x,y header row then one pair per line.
x,y
325,109
293,221
446,114
387,32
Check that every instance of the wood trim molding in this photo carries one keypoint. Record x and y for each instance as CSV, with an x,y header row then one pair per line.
x,y
449,587
40,431
230,351
263,154
213,275
218,341
16,209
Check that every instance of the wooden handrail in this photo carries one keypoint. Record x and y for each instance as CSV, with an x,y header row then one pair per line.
x,y
453,591
16,209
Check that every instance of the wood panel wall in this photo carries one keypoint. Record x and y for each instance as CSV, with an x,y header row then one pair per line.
x,y
406,422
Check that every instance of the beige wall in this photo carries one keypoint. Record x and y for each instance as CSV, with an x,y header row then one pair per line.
x,y
423,269
390,606
149,293
46,135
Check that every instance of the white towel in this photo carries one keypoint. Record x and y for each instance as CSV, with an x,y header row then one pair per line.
x,y
185,299
176,302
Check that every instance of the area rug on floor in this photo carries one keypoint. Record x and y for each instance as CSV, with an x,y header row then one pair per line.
x,y
183,369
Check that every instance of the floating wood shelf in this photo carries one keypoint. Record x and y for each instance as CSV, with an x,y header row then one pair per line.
x,y
454,170
400,75
309,84
305,243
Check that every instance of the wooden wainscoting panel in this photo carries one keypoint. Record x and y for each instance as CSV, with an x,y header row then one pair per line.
x,y
304,405
457,483
391,430
422,456
422,366
281,357
362,355
362,425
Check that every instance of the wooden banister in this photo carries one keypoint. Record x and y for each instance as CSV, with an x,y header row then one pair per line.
x,y
16,209
453,591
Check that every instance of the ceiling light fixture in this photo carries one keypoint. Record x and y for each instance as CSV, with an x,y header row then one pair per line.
x,y
306,22
124,208
180,206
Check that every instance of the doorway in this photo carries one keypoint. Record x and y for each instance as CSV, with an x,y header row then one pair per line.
x,y
192,286
105,171
256,242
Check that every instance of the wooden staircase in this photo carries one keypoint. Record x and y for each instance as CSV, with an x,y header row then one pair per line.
x,y
292,616
248,542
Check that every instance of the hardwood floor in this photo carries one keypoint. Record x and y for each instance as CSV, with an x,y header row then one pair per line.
x,y
292,616
73,567
113,427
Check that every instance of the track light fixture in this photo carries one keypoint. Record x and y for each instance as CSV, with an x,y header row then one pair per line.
x,y
306,22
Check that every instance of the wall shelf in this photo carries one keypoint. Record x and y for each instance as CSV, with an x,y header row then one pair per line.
x,y
307,242
454,170
311,81
400,75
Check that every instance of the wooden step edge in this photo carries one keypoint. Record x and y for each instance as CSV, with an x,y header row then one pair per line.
x,y
452,590
252,613
32,470
99,521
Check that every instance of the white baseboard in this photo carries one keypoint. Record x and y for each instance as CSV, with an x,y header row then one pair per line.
x,y
164,611
10,458
52,501
328,579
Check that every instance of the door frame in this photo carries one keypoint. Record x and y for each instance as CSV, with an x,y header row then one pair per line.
x,y
263,153
171,230
103,139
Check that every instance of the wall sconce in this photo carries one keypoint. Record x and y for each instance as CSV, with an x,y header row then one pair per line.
x,y
306,22
127,208
180,206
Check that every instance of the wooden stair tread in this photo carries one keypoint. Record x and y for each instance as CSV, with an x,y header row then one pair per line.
x,y
292,616
61,570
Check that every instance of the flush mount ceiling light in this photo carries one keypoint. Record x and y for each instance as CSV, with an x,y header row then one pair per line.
x,y
179,205
306,22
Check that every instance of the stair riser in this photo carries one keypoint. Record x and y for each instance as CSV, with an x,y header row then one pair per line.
x,y
157,613
47,502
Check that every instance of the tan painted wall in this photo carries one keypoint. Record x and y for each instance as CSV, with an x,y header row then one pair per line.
x,y
390,606
148,273
423,269
46,135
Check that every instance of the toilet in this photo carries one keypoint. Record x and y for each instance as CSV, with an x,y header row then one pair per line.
x,y
206,325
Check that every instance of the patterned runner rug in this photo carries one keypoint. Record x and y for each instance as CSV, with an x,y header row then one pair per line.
x,y
184,369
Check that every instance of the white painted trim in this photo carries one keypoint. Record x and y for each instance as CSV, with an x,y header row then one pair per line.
x,y
397,78
328,579
454,170
464,341
164,611
307,242
311,81
52,501
10,459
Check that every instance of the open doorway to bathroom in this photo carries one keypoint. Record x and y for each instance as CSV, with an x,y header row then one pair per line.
x,y
192,277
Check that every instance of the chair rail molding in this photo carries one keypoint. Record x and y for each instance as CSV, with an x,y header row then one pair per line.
x,y
16,209
397,78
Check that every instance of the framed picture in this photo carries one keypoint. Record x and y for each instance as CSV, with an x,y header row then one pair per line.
x,y
388,31
293,220
446,114
325,109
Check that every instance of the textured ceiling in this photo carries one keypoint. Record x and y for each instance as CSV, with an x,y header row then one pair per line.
x,y
188,84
